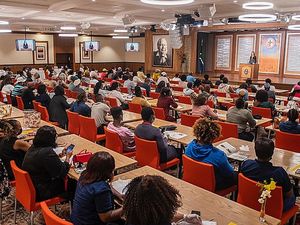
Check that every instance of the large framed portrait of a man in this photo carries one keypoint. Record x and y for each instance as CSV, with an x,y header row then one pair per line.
x,y
162,51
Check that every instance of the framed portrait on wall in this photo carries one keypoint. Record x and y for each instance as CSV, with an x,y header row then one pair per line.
x,y
41,53
162,53
84,55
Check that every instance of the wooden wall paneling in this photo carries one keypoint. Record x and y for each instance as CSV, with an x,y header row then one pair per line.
x,y
282,54
19,67
193,56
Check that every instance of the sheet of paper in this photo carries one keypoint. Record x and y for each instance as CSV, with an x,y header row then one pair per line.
x,y
209,222
58,150
120,185
174,134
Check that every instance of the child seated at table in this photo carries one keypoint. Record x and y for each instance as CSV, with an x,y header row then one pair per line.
x,y
126,136
291,126
261,169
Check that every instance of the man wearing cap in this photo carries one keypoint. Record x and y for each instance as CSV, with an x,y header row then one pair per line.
x,y
72,78
163,78
77,87
18,89
161,57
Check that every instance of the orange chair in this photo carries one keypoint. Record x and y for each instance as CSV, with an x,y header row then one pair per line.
x,y
234,95
112,101
176,88
124,90
45,116
287,141
249,193
147,154
88,129
73,124
154,95
228,130
25,192
50,217
188,120
49,89
185,100
20,103
159,113
136,108
35,105
264,112
205,176
114,142
221,94
9,101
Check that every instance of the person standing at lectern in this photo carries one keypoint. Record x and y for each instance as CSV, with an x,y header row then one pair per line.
x,y
252,58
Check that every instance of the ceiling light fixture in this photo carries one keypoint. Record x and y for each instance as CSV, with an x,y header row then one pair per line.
x,y
120,37
294,27
67,28
2,22
258,5
167,2
5,31
257,17
296,17
68,35
120,31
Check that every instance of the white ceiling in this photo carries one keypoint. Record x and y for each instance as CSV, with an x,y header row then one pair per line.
x,y
105,15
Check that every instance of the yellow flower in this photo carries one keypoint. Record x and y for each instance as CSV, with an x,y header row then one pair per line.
x,y
272,185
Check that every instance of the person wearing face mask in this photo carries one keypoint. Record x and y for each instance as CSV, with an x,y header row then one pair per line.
x,y
161,56
10,147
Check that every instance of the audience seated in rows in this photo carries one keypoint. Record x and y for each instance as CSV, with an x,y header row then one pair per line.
x,y
146,86
201,109
243,118
218,82
80,106
176,77
291,126
99,112
129,84
189,91
202,150
224,87
262,100
261,169
114,92
206,81
42,96
242,91
164,78
166,101
139,98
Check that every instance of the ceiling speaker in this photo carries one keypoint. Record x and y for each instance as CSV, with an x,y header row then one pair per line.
x,y
128,19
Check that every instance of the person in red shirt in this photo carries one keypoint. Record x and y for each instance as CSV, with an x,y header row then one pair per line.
x,y
166,101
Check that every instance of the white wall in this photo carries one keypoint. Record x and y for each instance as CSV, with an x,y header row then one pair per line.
x,y
9,55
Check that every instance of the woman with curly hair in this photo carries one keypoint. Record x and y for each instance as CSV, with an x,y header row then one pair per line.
x,y
202,150
152,200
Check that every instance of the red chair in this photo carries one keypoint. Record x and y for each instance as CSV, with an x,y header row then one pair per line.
x,y
9,101
124,90
174,82
45,115
234,95
114,142
74,94
287,141
50,217
211,104
84,84
154,95
20,103
73,124
176,88
185,100
136,108
144,92
264,112
221,94
228,130
1,97
26,194
249,194
147,154
189,120
49,89
112,101
159,113
88,129
107,79
35,105
205,176
68,93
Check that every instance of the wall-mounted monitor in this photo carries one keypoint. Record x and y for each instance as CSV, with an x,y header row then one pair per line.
x,y
25,45
92,46
132,47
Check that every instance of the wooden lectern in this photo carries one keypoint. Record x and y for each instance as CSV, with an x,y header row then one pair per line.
x,y
249,71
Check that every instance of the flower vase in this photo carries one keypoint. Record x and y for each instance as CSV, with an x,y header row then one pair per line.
x,y
262,215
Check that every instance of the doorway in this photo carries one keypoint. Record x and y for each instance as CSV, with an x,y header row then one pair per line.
x,y
64,59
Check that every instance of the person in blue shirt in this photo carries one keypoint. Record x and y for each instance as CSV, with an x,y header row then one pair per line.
x,y
190,78
80,107
261,169
291,126
94,198
42,95
202,150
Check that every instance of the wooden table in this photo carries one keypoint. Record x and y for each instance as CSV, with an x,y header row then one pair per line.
x,y
283,158
211,206
29,131
127,117
123,163
15,113
181,107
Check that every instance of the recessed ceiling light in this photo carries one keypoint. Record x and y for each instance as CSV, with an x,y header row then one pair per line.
x,y
23,18
235,1
162,10
5,31
67,28
4,22
120,37
294,27
296,17
167,2
258,5
257,17
68,35
120,31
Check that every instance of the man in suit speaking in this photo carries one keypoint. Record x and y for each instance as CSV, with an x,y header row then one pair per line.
x,y
161,57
